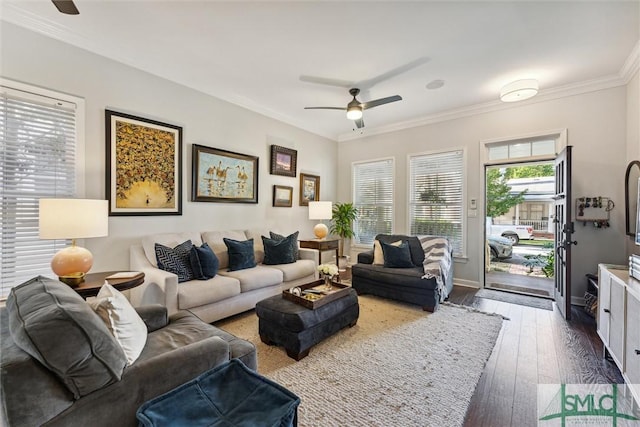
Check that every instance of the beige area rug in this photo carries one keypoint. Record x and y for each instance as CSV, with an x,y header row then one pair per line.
x,y
399,366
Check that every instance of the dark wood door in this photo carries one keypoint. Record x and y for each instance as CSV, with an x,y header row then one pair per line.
x,y
563,233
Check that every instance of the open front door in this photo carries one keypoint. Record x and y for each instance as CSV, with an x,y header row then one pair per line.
x,y
563,232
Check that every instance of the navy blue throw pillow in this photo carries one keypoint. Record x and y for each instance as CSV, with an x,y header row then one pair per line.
x,y
294,241
241,254
278,251
175,260
203,262
397,256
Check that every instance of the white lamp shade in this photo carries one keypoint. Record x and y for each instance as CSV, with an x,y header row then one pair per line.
x,y
73,218
320,210
354,113
519,90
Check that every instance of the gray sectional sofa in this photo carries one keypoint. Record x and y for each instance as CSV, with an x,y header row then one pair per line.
x,y
226,294
86,381
402,284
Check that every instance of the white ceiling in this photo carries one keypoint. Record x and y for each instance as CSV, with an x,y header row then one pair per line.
x,y
254,53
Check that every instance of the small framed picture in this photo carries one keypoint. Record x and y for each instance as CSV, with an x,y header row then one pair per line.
x,y
309,189
282,196
283,161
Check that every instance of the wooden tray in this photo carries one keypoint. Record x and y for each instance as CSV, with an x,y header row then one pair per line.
x,y
338,291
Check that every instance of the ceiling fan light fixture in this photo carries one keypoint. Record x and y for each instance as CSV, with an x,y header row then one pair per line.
x,y
354,113
519,90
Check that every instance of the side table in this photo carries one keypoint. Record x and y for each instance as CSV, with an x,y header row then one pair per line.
x,y
94,281
321,245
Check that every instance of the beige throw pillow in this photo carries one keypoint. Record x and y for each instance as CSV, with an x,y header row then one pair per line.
x,y
378,255
122,320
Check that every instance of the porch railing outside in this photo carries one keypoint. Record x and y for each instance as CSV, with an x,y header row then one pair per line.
x,y
537,224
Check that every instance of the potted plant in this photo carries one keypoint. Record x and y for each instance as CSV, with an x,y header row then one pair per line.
x,y
342,219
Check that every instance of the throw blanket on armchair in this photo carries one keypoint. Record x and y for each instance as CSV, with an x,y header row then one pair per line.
x,y
437,260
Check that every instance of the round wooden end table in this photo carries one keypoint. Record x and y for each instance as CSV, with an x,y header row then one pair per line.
x,y
94,281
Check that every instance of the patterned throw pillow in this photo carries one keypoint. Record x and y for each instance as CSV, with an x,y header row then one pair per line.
x,y
279,251
294,242
241,255
175,260
397,256
204,262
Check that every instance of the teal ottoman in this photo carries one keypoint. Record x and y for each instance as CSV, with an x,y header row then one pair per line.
x,y
229,395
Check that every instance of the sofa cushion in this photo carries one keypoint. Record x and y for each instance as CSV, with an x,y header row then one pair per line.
x,y
215,240
167,239
417,253
176,260
294,236
43,314
297,270
241,254
122,320
399,277
256,277
280,251
397,256
195,293
378,255
204,262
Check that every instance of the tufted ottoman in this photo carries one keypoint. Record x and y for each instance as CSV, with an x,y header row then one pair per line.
x,y
297,329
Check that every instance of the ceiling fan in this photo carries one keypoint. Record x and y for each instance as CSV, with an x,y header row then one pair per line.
x,y
355,108
66,6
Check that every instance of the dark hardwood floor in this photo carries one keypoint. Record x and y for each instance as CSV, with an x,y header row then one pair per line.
x,y
535,346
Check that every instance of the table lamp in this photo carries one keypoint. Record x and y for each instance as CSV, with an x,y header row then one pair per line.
x,y
72,219
320,210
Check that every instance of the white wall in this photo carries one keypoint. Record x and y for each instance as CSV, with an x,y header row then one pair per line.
x,y
596,126
31,58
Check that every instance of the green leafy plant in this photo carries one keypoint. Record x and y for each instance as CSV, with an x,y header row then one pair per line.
x,y
342,222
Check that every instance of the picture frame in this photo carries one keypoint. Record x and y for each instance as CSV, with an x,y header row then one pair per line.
x,y
282,196
143,166
223,176
309,189
284,161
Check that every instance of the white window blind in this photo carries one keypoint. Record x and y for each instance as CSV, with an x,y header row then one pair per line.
x,y
38,136
373,197
435,199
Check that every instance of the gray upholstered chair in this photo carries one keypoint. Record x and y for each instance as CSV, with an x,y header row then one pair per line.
x,y
60,366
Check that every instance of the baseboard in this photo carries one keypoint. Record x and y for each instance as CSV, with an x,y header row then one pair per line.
x,y
466,283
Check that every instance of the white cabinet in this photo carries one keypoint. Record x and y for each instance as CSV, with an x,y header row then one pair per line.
x,y
619,321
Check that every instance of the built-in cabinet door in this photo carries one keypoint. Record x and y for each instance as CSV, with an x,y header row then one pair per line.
x,y
604,302
632,354
616,320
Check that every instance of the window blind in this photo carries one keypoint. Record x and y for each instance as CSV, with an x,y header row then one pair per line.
x,y
38,136
435,199
373,197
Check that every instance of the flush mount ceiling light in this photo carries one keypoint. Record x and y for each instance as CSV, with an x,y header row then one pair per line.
x,y
519,90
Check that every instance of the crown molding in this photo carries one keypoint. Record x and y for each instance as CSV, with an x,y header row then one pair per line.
x,y
631,65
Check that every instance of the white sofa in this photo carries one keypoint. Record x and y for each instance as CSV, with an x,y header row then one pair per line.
x,y
226,294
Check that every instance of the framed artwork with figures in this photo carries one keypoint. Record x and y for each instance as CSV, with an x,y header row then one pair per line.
x,y
309,189
144,166
223,176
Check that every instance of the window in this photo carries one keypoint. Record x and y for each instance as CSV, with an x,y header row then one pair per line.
x,y
39,138
435,198
544,146
373,197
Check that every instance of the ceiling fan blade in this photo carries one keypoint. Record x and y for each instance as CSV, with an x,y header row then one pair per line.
x,y
359,123
66,6
325,108
366,84
326,81
380,101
